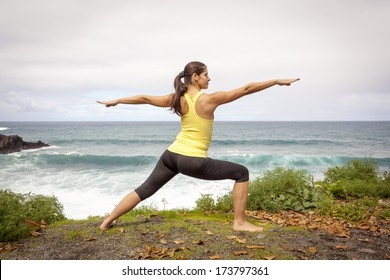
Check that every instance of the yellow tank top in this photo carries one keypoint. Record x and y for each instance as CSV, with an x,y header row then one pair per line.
x,y
196,132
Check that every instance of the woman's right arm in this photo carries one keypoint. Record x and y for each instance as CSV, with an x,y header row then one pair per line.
x,y
158,101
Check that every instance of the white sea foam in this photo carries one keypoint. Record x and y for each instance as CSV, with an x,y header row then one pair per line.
x,y
39,149
3,128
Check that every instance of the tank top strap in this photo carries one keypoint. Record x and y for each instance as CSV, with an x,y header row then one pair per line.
x,y
191,101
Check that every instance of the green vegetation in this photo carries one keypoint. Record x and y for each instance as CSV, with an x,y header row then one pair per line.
x,y
349,192
17,209
282,189
357,178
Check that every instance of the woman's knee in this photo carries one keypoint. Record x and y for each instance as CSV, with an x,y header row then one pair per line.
x,y
242,174
144,192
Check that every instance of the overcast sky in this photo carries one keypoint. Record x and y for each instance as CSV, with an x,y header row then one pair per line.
x,y
58,57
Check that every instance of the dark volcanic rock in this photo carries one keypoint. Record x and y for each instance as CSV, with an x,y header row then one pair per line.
x,y
14,143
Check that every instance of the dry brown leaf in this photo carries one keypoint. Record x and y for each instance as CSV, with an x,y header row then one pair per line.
x,y
33,223
161,252
216,257
284,246
176,250
178,241
239,253
269,258
90,239
234,237
198,242
7,248
163,241
199,222
364,240
241,241
230,237
313,250
255,247
149,249
342,234
342,247
121,230
362,226
209,233
36,233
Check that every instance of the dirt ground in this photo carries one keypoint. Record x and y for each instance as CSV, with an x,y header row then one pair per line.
x,y
188,237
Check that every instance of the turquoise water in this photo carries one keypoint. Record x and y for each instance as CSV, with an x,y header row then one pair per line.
x,y
89,166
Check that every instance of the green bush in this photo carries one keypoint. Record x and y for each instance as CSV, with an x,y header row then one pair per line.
x,y
366,170
16,208
41,207
357,178
225,203
282,189
12,221
384,187
205,203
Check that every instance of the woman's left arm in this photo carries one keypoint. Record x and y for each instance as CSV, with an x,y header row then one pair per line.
x,y
223,97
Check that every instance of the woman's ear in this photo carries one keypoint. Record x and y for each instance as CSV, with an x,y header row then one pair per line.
x,y
195,77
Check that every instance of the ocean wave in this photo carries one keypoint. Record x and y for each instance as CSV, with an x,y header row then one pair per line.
x,y
116,142
74,160
276,142
95,160
215,142
255,162
3,128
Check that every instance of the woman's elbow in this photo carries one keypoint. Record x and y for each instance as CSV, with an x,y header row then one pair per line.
x,y
247,89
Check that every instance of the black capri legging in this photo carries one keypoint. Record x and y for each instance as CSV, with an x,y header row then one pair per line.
x,y
170,164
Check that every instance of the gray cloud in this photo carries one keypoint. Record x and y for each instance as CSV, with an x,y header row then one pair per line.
x,y
58,57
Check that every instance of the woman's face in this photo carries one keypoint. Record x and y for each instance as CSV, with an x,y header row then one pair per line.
x,y
203,79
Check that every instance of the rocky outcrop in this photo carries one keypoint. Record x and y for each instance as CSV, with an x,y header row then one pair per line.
x,y
14,143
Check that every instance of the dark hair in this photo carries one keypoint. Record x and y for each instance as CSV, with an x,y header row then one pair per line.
x,y
180,87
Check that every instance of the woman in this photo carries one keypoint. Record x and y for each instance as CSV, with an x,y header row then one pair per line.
x,y
188,154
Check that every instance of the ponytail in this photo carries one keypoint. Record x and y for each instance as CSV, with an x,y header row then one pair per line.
x,y
180,87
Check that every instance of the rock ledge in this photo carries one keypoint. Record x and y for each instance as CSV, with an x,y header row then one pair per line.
x,y
14,143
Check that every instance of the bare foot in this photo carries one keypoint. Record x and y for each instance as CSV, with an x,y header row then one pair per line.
x,y
246,226
106,226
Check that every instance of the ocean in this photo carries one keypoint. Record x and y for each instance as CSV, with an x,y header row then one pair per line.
x,y
90,166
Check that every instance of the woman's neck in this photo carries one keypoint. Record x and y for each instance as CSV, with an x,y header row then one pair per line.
x,y
192,89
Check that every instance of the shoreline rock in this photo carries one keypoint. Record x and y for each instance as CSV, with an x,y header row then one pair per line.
x,y
14,143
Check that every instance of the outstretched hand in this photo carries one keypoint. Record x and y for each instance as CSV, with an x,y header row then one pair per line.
x,y
108,103
287,82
